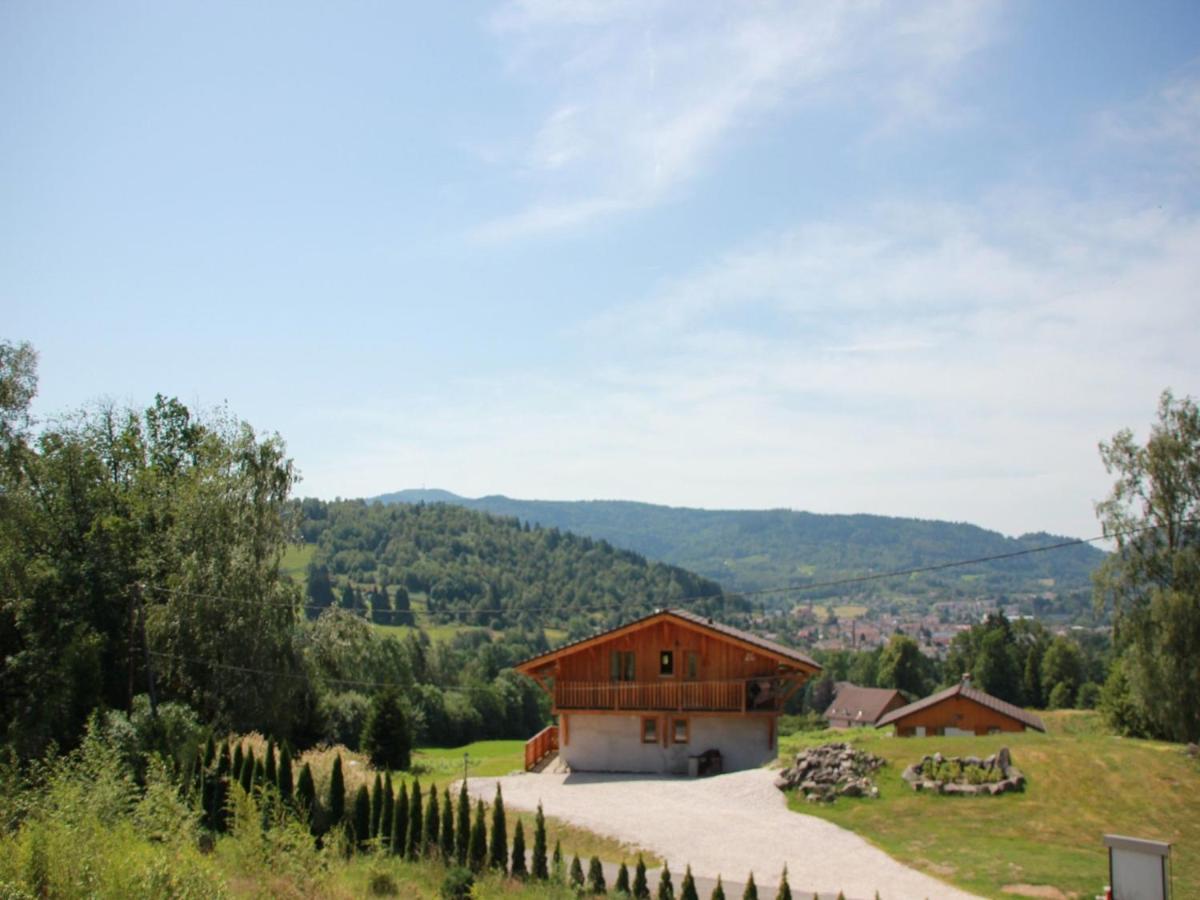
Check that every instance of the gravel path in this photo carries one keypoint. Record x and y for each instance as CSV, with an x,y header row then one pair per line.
x,y
729,825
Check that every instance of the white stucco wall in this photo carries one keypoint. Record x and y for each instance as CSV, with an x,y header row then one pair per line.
x,y
614,744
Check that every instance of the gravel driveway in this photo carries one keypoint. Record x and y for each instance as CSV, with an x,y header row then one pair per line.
x,y
728,825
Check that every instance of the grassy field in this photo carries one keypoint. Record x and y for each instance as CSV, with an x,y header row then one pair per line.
x,y
1082,784
296,559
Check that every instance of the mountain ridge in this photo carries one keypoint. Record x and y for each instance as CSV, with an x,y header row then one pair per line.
x,y
757,550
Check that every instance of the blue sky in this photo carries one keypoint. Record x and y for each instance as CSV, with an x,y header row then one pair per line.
x,y
911,258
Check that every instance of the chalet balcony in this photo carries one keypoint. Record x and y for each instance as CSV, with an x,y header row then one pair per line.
x,y
740,695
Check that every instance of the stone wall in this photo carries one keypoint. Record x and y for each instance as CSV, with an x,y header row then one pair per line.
x,y
990,776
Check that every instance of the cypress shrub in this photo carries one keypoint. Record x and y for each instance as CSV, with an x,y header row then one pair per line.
x,y
400,822
595,878
785,890
666,890
498,855
389,807
575,877
433,824
269,772
221,788
518,853
283,778
306,798
197,775
751,891
462,830
718,893
556,863
362,818
447,842
687,887
477,850
238,757
258,776
641,889
246,779
210,752
376,805
208,790
337,794
539,846
413,842
622,885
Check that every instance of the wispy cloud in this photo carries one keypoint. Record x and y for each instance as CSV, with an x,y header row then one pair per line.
x,y
646,94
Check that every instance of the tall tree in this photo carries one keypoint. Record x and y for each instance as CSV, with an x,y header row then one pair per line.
x,y
477,851
540,870
1152,580
414,841
400,822
447,839
386,736
901,665
433,823
337,794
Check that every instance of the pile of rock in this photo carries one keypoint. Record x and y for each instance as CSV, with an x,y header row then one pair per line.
x,y
969,774
830,771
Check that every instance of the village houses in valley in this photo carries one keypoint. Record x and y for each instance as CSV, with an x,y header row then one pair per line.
x,y
661,692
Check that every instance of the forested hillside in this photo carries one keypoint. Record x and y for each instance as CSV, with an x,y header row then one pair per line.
x,y
749,550
472,568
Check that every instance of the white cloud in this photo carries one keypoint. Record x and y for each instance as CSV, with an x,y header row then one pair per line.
x,y
648,93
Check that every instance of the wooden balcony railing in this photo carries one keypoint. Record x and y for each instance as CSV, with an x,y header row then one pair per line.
x,y
540,745
741,695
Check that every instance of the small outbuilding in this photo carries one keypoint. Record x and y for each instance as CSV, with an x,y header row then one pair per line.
x,y
960,710
860,707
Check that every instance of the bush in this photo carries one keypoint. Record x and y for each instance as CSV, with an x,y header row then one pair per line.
x,y
1089,695
1060,696
458,883
386,735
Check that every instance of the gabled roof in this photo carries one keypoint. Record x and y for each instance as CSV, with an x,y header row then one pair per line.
x,y
688,619
964,690
860,704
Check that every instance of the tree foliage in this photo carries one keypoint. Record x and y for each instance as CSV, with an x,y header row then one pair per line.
x,y
1152,580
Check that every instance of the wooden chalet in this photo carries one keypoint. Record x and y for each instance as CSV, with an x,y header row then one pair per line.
x,y
960,710
649,695
859,707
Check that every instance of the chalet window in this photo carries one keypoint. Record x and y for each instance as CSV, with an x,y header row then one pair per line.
x,y
666,662
650,730
679,731
691,665
622,666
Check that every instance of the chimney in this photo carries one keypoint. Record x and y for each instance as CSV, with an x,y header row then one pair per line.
x,y
966,679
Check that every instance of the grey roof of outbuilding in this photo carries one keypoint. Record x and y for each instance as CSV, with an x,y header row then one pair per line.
x,y
860,704
963,690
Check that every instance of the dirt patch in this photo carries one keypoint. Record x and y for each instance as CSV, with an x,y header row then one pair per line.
x,y
1041,891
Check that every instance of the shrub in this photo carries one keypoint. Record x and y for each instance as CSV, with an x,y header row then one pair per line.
x,y
1060,696
462,825
641,889
433,823
477,849
540,871
498,852
400,822
386,813
575,876
666,890
337,794
718,893
447,842
595,877
283,778
1089,695
622,885
458,883
687,887
518,853
751,891
414,841
785,890
376,805
306,798
362,818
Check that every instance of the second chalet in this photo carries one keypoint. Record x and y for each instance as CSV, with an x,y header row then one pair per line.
x,y
661,693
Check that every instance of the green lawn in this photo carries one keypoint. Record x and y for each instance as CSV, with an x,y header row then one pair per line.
x,y
296,558
1082,784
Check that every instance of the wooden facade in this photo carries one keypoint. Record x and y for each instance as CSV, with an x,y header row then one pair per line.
x,y
664,671
960,710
